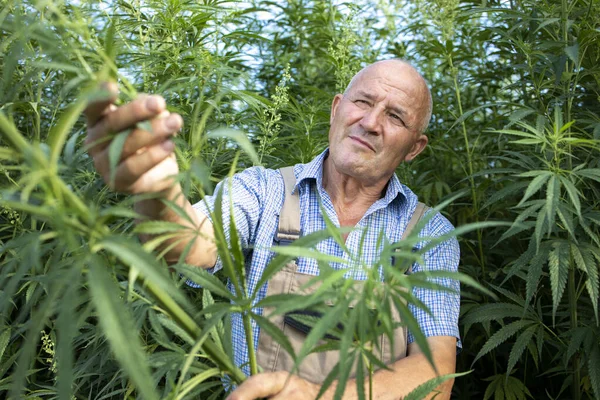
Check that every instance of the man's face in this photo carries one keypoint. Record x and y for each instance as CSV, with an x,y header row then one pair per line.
x,y
374,125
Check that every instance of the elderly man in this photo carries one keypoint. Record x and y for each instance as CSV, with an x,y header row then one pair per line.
x,y
378,123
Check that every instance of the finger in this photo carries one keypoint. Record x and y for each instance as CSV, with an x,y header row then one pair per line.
x,y
98,108
259,386
141,109
162,127
132,168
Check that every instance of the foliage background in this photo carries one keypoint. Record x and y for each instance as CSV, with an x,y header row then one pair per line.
x,y
515,132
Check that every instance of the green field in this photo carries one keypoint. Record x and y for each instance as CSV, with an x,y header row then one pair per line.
x,y
88,311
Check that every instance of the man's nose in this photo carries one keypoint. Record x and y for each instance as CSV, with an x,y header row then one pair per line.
x,y
371,120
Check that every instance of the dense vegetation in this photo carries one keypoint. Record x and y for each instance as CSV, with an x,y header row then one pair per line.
x,y
88,312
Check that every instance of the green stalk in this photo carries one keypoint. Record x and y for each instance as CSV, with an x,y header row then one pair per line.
x,y
370,381
567,84
573,314
469,163
250,343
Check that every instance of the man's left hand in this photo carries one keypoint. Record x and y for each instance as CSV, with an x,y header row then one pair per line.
x,y
275,386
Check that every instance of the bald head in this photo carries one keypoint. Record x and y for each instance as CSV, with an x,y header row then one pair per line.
x,y
401,66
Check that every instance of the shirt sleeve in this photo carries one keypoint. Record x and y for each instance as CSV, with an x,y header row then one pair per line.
x,y
243,194
444,305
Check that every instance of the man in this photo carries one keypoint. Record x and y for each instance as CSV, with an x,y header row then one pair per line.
x,y
376,124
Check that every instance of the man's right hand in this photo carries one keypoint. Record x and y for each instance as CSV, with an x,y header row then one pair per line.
x,y
148,165
147,160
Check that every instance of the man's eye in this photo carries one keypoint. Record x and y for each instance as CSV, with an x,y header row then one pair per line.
x,y
396,119
359,101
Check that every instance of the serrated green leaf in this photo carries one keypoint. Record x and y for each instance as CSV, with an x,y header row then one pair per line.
x,y
145,126
576,337
298,251
552,197
591,173
272,330
520,344
573,53
591,269
492,312
558,264
235,250
114,154
109,40
170,325
518,115
177,209
119,328
513,132
360,378
503,193
421,391
196,380
502,388
240,138
223,244
528,141
59,133
566,218
67,328
205,279
329,379
594,369
158,227
535,185
330,319
541,226
406,316
133,255
534,274
346,360
502,335
4,338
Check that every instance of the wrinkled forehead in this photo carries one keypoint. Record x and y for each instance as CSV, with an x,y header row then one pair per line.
x,y
393,75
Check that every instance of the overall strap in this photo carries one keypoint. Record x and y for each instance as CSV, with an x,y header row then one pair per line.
x,y
289,216
416,217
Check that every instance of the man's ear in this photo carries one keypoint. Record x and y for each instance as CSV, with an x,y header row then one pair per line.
x,y
334,105
417,147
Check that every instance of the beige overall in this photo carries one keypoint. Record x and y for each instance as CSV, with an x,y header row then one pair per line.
x,y
316,366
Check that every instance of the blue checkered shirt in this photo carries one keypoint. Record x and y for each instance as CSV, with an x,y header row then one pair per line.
x,y
258,193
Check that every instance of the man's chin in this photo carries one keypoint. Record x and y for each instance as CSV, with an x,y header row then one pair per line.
x,y
360,169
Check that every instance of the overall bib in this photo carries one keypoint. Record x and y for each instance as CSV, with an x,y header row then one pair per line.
x,y
316,366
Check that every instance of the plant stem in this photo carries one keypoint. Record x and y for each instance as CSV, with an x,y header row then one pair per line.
x,y
573,316
370,381
250,343
469,162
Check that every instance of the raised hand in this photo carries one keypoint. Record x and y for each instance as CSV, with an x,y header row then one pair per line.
x,y
147,160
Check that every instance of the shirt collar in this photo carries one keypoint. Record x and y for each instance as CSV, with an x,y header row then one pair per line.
x,y
314,170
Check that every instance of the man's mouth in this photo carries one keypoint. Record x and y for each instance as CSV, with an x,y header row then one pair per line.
x,y
362,142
